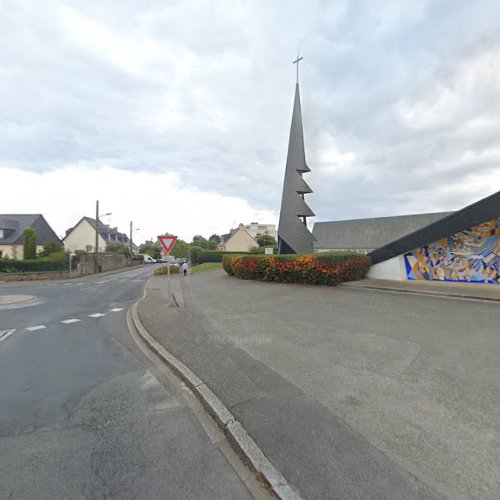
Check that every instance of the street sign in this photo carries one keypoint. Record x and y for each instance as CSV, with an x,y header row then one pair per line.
x,y
167,242
162,252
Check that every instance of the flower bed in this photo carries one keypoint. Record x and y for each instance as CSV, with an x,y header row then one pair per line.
x,y
309,269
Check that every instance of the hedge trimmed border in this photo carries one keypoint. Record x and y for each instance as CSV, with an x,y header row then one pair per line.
x,y
329,269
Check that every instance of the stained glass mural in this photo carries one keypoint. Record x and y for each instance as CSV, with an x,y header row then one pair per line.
x,y
471,256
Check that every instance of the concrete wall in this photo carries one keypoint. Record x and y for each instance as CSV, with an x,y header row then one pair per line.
x,y
83,236
392,269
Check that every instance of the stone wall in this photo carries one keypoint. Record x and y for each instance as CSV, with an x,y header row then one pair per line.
x,y
107,262
46,275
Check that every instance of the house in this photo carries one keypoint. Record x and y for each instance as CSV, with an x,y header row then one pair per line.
x,y
365,235
462,246
82,236
238,240
11,233
256,230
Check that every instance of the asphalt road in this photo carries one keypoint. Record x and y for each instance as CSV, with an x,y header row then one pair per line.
x,y
85,414
351,393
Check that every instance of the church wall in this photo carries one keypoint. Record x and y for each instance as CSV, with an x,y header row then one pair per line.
x,y
472,255
392,269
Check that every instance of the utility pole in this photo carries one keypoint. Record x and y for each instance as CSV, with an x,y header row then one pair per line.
x,y
130,239
96,236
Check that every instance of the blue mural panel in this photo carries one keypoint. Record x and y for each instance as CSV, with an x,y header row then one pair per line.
x,y
469,256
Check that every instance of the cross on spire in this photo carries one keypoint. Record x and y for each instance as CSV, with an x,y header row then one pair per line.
x,y
297,63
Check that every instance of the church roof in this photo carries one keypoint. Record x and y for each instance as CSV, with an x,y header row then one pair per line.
x,y
369,233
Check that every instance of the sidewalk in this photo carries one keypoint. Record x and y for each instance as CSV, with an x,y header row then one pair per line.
x,y
478,291
349,393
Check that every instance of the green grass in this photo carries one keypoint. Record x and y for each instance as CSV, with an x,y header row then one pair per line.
x,y
206,266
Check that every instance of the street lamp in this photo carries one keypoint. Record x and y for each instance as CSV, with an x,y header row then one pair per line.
x,y
97,234
130,242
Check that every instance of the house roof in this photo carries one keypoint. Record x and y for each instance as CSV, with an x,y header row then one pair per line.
x,y
225,238
483,210
15,224
369,233
104,231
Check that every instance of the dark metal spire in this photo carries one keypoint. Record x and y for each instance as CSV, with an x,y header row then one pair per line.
x,y
293,234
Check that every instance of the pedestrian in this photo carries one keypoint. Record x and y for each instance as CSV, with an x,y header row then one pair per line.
x,y
185,268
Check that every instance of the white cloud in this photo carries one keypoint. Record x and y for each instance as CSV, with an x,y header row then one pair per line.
x,y
397,98
155,202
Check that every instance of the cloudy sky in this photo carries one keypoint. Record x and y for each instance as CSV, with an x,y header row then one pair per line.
x,y
176,114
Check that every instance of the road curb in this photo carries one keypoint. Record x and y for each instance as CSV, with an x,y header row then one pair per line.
x,y
423,292
237,435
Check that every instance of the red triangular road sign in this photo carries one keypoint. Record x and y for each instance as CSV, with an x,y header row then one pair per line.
x,y
167,242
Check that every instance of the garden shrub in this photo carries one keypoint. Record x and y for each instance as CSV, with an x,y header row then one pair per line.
x,y
308,269
32,265
201,255
29,243
163,270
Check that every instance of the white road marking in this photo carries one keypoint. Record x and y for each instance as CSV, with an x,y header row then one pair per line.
x,y
37,327
72,320
100,282
4,335
96,315
116,309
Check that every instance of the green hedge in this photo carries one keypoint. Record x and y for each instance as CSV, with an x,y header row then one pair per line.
x,y
199,255
310,269
33,265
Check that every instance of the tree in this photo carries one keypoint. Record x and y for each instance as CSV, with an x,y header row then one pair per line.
x,y
29,237
152,249
113,247
213,241
52,246
181,249
200,241
123,251
267,240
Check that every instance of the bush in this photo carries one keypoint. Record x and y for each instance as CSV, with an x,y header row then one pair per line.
x,y
59,255
50,248
193,254
309,269
79,255
33,265
163,270
29,242
199,255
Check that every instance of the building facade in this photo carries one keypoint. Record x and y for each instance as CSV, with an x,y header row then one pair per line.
x,y
11,233
238,240
82,236
256,230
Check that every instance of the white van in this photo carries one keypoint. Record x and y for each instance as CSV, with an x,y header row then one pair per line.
x,y
148,259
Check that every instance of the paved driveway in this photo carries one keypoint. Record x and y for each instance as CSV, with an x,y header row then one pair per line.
x,y
419,377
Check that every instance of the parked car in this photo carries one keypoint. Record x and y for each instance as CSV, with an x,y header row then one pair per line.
x,y
170,258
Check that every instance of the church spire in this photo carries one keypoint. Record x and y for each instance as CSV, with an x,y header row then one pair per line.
x,y
293,234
